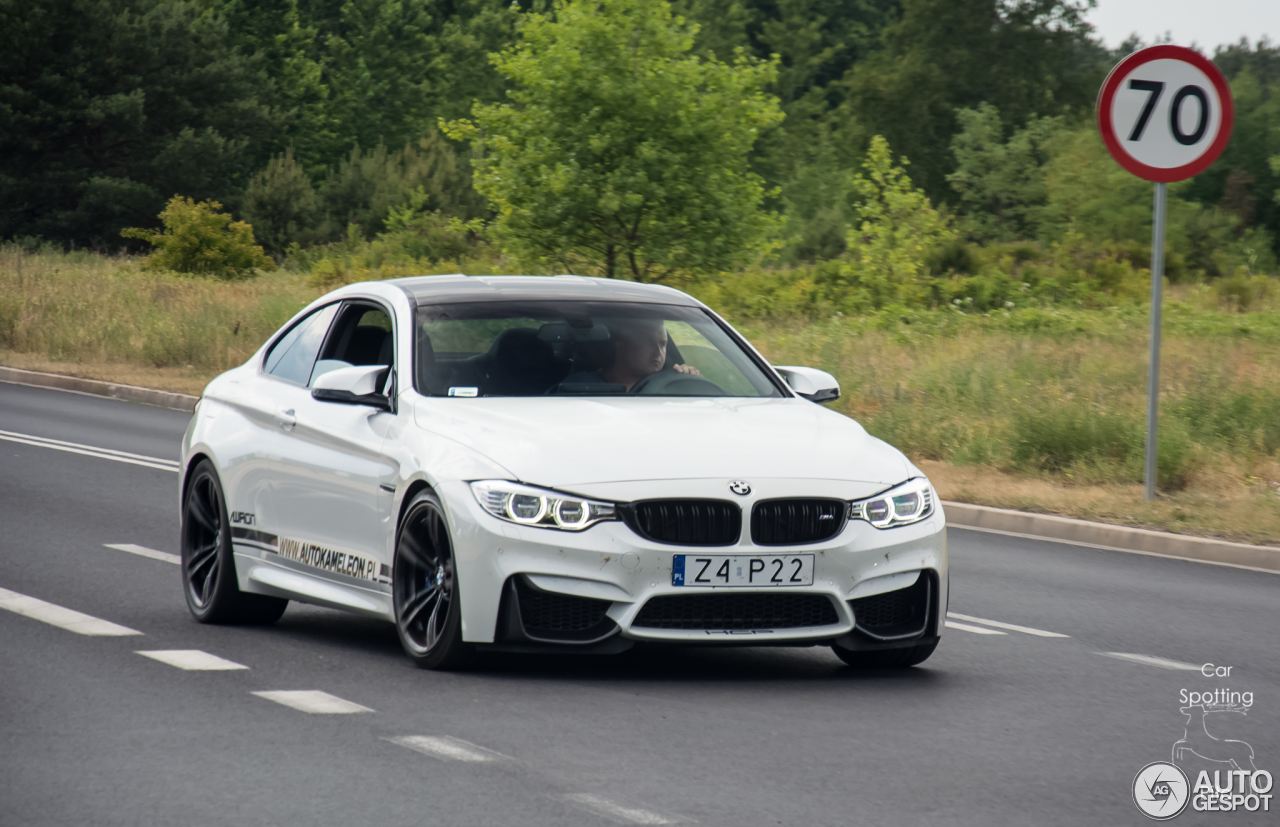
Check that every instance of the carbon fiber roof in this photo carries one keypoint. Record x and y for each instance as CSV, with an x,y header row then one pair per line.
x,y
455,289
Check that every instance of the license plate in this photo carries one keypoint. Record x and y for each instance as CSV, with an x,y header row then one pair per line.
x,y
742,570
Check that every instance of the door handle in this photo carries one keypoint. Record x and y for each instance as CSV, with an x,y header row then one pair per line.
x,y
286,418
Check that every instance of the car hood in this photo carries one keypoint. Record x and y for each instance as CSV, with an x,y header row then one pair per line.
x,y
562,442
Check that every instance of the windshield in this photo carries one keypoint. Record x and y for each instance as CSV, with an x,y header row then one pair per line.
x,y
535,348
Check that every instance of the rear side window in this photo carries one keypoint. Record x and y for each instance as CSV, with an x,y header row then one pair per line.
x,y
295,353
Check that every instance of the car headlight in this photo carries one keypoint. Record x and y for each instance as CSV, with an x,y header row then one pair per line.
x,y
908,503
526,505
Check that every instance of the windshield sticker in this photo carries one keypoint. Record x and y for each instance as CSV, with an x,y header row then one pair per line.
x,y
464,391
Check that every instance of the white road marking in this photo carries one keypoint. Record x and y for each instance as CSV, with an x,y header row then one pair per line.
x,y
1042,539
1002,625
91,451
143,551
314,701
1152,660
977,630
616,812
446,748
63,618
192,660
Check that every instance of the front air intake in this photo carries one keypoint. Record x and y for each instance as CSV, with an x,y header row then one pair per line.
x,y
685,522
737,610
529,614
897,614
795,522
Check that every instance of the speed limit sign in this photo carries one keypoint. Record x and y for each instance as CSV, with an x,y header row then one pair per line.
x,y
1165,113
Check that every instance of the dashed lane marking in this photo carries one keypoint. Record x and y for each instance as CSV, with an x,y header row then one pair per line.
x,y
616,812
977,630
313,701
192,660
1152,660
91,451
63,618
1002,625
143,551
447,748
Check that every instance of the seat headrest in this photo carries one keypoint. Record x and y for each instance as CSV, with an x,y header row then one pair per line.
x,y
367,346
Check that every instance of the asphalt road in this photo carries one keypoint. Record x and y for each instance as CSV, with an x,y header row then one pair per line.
x,y
1012,728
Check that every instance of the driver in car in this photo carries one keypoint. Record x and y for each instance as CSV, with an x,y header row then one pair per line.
x,y
641,351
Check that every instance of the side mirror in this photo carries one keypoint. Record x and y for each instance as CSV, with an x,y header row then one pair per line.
x,y
814,385
353,386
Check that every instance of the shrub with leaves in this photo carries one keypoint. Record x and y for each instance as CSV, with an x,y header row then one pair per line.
x,y
897,233
200,240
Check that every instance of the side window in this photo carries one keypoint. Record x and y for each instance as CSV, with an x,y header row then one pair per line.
x,y
361,336
292,357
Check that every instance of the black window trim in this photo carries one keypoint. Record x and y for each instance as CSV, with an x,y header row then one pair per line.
x,y
343,303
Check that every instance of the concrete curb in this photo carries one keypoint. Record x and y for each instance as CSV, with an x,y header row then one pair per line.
x,y
129,393
1111,537
961,515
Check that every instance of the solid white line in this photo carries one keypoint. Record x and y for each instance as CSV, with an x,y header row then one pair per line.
x,y
63,618
192,660
314,701
977,630
616,812
1042,539
1002,625
90,448
143,551
1152,660
446,748
98,453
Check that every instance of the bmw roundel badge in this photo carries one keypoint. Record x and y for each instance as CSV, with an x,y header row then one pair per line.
x,y
740,487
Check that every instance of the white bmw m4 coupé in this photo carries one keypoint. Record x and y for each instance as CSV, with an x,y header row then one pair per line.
x,y
552,464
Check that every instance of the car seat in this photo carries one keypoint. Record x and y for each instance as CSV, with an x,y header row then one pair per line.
x,y
521,364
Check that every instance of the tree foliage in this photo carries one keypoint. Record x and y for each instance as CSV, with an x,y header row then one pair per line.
x,y
108,106
1001,182
621,150
281,204
1025,57
898,229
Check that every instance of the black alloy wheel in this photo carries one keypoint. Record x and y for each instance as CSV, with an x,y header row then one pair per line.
x,y
208,572
425,589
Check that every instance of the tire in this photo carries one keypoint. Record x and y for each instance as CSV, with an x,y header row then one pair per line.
x,y
424,589
887,658
208,570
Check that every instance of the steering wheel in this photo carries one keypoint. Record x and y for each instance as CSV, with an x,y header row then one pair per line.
x,y
672,382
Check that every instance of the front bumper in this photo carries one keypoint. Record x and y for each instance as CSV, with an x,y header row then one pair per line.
x,y
609,562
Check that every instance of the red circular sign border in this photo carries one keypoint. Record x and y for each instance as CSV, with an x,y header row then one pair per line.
x,y
1108,92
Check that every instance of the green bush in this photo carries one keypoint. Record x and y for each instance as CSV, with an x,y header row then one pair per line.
x,y
198,239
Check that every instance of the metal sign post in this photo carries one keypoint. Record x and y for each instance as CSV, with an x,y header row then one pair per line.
x,y
1165,113
1153,364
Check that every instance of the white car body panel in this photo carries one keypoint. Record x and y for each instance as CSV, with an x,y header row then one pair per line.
x,y
329,489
